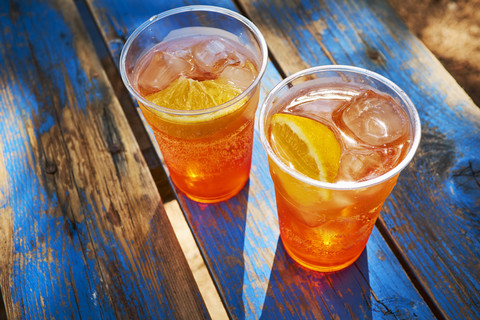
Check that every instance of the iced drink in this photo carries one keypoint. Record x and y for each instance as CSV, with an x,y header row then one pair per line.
x,y
197,84
337,138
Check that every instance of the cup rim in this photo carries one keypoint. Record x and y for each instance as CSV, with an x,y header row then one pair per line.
x,y
249,24
342,185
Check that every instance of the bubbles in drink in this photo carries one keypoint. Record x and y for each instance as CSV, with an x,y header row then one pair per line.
x,y
374,118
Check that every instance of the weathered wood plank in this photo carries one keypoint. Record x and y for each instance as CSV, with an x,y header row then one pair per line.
x,y
83,232
239,237
432,214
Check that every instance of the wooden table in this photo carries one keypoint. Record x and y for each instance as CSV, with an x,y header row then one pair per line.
x,y
83,229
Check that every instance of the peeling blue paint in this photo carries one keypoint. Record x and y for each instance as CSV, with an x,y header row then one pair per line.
x,y
54,273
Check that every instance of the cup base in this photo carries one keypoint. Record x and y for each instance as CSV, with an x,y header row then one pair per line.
x,y
214,199
320,268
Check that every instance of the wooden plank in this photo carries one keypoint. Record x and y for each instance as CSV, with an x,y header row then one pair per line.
x,y
239,237
83,232
432,215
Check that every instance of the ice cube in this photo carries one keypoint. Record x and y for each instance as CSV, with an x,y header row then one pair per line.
x,y
161,70
238,76
180,52
356,166
213,55
364,164
375,119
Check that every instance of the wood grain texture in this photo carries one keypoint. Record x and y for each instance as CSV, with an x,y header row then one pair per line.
x,y
432,214
83,232
239,237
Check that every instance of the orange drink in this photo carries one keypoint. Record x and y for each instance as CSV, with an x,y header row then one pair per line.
x,y
337,138
195,72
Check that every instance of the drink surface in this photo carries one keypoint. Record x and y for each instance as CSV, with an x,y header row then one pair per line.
x,y
341,134
372,129
208,155
205,60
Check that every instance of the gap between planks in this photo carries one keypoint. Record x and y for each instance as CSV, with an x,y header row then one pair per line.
x,y
409,269
195,261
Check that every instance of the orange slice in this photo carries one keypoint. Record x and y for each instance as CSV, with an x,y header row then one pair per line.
x,y
189,94
306,145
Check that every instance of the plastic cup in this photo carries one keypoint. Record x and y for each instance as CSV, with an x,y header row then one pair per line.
x,y
325,226
207,151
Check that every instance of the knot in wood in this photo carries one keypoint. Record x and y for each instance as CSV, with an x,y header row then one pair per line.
x,y
115,148
50,168
373,54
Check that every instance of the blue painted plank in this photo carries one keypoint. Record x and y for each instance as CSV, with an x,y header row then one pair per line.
x,y
239,237
83,232
432,215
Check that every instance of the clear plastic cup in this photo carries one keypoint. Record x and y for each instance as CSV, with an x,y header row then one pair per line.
x,y
207,151
325,226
